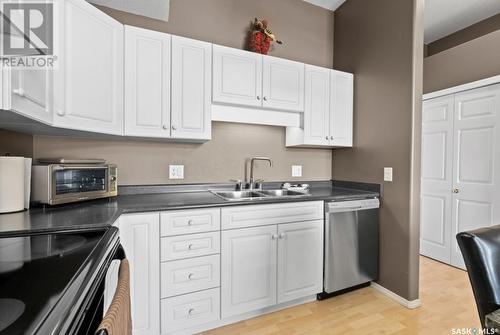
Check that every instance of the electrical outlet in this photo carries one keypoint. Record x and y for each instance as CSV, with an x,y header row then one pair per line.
x,y
387,174
296,170
176,171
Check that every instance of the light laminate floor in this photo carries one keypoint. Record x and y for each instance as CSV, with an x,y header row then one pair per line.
x,y
445,293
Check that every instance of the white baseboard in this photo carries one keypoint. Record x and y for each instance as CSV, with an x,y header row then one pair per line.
x,y
411,304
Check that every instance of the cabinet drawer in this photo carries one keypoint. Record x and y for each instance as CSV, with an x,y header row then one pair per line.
x,y
189,275
190,221
190,310
187,246
260,215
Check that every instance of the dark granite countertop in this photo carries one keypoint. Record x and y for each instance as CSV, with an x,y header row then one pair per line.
x,y
99,213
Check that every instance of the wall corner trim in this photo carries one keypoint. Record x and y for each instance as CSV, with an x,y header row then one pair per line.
x,y
410,304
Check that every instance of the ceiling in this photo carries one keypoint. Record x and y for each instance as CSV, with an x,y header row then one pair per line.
x,y
328,4
444,17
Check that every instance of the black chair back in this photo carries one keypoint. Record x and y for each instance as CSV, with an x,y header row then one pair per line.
x,y
481,251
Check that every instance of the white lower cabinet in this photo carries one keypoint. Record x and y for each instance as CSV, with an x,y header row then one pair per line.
x,y
189,310
188,276
248,265
140,238
300,260
275,263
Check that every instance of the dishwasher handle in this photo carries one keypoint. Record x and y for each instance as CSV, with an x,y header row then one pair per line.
x,y
350,206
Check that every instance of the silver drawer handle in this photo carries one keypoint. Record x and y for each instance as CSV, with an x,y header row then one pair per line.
x,y
190,311
191,276
191,246
190,222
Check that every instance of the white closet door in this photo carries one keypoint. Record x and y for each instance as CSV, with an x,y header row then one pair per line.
x,y
476,163
436,178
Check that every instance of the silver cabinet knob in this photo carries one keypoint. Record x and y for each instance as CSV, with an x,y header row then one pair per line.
x,y
190,311
274,236
331,137
282,236
456,190
60,112
190,222
265,98
174,127
327,138
165,127
190,276
191,246
258,97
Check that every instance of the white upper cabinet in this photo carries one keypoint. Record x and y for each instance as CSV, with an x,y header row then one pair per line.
x,y
89,79
147,83
341,104
191,89
317,107
237,76
283,84
30,93
328,115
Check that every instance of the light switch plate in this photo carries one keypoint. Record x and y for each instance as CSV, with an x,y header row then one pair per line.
x,y
387,174
296,170
176,171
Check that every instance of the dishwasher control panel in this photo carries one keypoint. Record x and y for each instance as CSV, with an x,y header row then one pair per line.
x,y
353,205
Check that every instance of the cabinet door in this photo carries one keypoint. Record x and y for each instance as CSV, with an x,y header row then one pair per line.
x,y
191,88
341,104
476,157
147,83
248,269
283,84
140,237
89,78
31,93
300,260
436,178
317,106
237,76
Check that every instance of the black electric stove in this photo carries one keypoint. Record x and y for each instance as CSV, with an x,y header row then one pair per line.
x,y
53,283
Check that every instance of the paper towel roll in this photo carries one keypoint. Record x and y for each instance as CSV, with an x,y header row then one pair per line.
x,y
11,184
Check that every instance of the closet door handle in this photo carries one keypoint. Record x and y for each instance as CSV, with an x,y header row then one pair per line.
x,y
456,190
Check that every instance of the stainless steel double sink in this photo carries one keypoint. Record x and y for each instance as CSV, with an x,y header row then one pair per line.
x,y
258,194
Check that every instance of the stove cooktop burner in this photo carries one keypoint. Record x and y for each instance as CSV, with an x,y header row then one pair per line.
x,y
11,309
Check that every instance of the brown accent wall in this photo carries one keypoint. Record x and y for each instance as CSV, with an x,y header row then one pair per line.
x,y
467,62
307,32
467,34
377,41
15,144
221,159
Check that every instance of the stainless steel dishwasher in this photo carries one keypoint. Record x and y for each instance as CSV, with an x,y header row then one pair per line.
x,y
351,243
